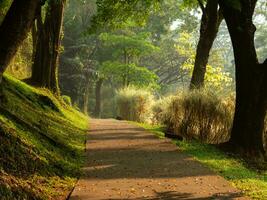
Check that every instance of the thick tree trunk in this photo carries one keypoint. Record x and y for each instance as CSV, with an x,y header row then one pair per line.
x,y
14,29
45,67
210,23
251,80
98,99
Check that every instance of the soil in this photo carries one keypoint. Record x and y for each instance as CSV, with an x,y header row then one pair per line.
x,y
127,162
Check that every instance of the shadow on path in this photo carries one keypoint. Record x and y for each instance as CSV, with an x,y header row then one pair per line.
x,y
127,162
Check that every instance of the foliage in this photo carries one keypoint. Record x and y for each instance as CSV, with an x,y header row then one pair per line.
x,y
43,143
160,110
21,65
215,78
260,19
67,100
4,6
112,12
199,115
129,74
134,104
77,62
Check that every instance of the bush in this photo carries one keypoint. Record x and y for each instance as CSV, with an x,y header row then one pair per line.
x,y
67,100
134,104
160,110
199,115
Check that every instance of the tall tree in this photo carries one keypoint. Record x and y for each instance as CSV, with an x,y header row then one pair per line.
x,y
98,97
45,66
251,77
14,30
210,22
79,49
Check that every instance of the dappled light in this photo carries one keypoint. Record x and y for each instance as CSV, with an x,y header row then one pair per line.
x,y
133,99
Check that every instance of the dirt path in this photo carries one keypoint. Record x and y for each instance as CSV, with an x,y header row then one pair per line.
x,y
127,162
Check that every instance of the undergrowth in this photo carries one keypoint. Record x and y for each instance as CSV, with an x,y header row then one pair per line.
x,y
252,182
42,143
134,104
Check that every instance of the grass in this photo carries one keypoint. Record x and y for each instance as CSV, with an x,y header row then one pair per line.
x,y
42,143
134,104
251,182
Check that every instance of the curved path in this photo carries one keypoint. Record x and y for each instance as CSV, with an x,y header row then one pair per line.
x,y
127,162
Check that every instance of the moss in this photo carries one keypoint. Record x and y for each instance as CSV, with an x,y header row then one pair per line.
x,y
42,143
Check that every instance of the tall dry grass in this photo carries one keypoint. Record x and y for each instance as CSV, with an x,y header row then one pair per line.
x,y
134,104
160,110
198,115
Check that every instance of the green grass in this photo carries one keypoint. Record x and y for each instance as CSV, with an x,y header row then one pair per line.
x,y
251,182
42,143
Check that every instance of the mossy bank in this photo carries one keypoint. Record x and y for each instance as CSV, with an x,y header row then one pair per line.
x,y
42,143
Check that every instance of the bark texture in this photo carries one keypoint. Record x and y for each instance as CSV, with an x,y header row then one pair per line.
x,y
14,29
210,23
45,67
251,79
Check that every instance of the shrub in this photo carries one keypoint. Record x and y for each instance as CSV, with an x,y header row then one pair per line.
x,y
199,115
67,100
160,108
205,117
134,104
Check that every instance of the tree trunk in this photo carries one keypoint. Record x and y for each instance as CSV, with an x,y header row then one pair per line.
x,y
45,67
14,29
86,95
251,80
34,40
210,23
98,98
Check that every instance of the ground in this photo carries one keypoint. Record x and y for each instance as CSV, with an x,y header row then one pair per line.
x,y
126,162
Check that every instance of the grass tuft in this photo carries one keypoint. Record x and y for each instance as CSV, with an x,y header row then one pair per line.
x,y
134,104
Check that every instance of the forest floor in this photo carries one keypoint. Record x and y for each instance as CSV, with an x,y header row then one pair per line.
x,y
125,161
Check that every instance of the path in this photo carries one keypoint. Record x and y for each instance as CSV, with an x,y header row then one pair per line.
x,y
127,162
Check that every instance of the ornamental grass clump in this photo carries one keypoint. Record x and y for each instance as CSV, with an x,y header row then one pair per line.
x,y
134,104
206,117
199,115
160,110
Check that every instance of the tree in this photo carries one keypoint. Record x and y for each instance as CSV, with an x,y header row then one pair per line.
x,y
79,52
45,66
215,77
98,97
128,47
210,22
251,78
13,30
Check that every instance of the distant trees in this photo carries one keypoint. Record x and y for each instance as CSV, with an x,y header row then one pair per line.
x,y
77,63
13,30
124,65
46,38
210,23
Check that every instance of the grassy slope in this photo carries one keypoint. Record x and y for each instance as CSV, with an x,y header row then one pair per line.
x,y
253,183
42,143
